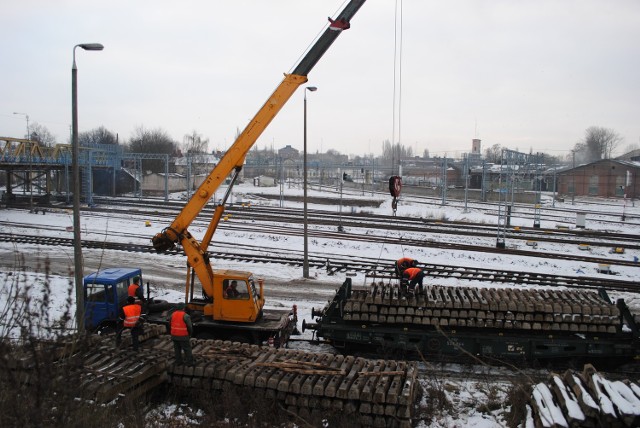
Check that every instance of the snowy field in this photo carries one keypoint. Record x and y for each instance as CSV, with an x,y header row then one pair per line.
x,y
284,285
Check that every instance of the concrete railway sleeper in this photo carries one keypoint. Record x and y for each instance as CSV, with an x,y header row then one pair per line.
x,y
547,310
374,392
496,324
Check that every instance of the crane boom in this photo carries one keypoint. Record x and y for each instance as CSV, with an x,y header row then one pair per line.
x,y
233,159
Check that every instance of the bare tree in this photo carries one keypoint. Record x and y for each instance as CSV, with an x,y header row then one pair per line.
x,y
598,143
155,141
194,143
493,154
151,141
99,135
579,155
393,153
41,134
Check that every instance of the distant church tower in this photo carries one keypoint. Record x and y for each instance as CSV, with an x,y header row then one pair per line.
x,y
476,152
476,146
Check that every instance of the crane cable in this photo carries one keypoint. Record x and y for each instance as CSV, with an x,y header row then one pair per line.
x,y
397,100
397,83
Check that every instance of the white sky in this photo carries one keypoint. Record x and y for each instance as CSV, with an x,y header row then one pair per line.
x,y
528,75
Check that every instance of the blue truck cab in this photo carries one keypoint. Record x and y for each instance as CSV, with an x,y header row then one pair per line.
x,y
105,292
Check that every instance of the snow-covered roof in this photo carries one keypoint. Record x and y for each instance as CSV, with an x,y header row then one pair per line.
x,y
197,158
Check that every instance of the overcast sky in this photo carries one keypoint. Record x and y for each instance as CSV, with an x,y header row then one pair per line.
x,y
528,75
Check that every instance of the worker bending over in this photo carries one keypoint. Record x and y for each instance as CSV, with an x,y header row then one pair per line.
x,y
404,263
411,277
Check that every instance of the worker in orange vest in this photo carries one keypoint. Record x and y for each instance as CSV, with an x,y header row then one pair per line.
x,y
135,290
411,277
404,263
131,318
181,331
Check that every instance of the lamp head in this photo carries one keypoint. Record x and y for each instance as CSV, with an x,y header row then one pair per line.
x,y
86,47
311,88
92,46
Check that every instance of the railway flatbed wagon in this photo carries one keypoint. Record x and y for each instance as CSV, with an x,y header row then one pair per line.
x,y
488,323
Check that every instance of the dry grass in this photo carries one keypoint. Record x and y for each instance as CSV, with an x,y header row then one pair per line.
x,y
36,388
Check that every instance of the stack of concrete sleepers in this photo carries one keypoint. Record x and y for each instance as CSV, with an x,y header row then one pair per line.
x,y
373,392
110,373
543,310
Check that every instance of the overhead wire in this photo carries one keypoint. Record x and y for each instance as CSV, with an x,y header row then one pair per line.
x,y
397,95
397,83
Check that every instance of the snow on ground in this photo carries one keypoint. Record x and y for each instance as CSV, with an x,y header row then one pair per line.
x,y
23,264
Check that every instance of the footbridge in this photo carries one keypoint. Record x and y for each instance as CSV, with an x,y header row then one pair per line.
x,y
37,171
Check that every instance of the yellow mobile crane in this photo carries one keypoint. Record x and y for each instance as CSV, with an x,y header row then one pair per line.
x,y
244,310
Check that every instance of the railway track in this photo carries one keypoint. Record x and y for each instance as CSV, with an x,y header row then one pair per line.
x,y
374,269
265,212
565,215
563,235
385,230
550,213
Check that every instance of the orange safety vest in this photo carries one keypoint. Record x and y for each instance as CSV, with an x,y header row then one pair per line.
x,y
131,315
406,260
178,326
133,288
412,272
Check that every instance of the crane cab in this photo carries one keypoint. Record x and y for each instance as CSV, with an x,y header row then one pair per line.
x,y
236,297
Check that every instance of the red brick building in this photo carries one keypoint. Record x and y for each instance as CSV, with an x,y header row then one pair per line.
x,y
605,178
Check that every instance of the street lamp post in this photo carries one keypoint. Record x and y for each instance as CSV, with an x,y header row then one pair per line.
x,y
28,181
341,176
77,243
27,117
305,266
